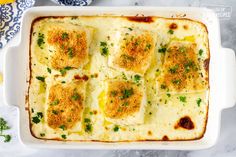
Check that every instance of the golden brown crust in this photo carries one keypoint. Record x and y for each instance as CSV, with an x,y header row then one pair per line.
x,y
181,68
123,99
135,52
70,46
66,103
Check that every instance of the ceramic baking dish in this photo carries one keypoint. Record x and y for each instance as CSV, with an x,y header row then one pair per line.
x,y
222,75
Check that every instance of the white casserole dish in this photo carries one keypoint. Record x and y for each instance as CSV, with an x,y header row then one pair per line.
x,y
222,76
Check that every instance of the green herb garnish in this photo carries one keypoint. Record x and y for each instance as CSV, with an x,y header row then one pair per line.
x,y
36,119
40,40
63,127
199,100
200,52
162,50
63,136
70,52
64,70
75,96
116,128
65,35
137,78
125,104
55,102
104,49
163,86
173,69
87,120
4,126
49,70
42,134
88,127
182,98
40,78
171,31
130,29
114,93
127,93
176,81
55,112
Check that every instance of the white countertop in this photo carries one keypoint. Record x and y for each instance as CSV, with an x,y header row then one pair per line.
x,y
226,145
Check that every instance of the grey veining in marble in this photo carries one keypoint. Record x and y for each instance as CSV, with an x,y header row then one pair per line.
x,y
226,145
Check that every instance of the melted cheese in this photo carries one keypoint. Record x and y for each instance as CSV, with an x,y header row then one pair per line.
x,y
105,88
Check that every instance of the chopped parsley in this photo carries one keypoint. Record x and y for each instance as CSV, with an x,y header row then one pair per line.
x,y
114,93
40,40
116,128
36,119
40,78
124,76
182,98
189,65
104,49
182,49
70,52
137,78
4,126
163,86
168,94
63,127
42,134
55,102
63,81
127,93
65,35
40,115
200,52
162,49
127,57
88,125
87,120
125,104
55,112
64,70
49,70
171,31
75,96
63,136
173,69
176,82
130,29
199,100
148,46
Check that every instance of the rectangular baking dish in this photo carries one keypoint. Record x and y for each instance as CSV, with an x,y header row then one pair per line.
x,y
222,75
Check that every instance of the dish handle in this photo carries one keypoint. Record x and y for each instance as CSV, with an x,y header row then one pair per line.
x,y
228,77
12,78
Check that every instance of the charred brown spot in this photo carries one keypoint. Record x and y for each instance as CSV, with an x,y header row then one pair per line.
x,y
147,19
95,112
186,123
206,64
149,133
185,27
165,138
27,108
173,26
84,77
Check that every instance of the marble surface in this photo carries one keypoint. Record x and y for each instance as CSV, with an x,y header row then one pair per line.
x,y
226,145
